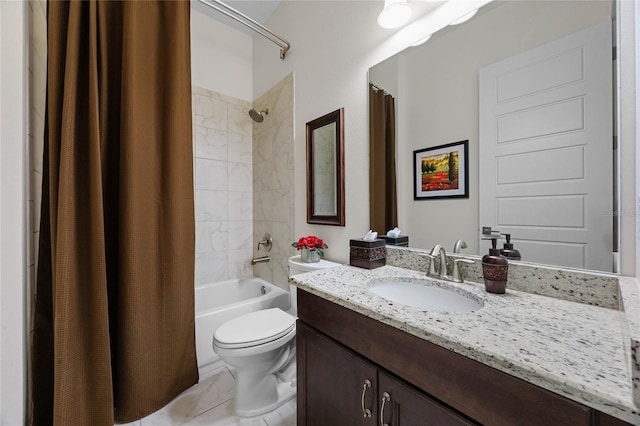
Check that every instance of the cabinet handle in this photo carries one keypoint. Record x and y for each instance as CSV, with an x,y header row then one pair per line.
x,y
385,397
365,411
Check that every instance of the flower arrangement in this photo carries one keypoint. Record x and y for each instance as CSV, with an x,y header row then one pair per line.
x,y
312,243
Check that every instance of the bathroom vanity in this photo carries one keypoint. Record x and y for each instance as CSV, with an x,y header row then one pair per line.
x,y
522,359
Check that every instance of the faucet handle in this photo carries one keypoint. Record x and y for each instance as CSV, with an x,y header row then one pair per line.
x,y
267,242
435,250
459,244
456,275
432,263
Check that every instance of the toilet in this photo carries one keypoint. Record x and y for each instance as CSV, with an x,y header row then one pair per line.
x,y
261,347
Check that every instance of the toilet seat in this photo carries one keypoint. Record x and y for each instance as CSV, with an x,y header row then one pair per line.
x,y
253,329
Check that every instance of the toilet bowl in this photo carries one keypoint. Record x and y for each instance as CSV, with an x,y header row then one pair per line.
x,y
260,346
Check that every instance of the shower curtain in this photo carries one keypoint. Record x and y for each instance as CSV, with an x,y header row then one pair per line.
x,y
383,204
114,335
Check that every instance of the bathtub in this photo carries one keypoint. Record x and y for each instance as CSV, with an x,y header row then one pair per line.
x,y
219,302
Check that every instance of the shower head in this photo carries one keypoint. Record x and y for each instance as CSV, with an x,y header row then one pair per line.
x,y
257,116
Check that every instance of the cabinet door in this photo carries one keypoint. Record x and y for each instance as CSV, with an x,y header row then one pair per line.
x,y
331,383
405,406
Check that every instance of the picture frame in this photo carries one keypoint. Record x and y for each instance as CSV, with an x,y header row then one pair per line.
x,y
441,171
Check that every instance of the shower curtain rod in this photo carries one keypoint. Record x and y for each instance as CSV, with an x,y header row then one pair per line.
x,y
245,20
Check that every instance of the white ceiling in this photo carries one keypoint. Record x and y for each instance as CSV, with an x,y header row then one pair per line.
x,y
261,10
258,10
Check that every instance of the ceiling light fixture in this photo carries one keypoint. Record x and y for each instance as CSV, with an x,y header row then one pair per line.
x,y
422,40
464,18
395,14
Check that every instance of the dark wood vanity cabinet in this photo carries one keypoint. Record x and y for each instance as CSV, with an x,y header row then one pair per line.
x,y
338,387
349,365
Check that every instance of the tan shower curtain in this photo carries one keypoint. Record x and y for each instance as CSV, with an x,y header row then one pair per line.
x,y
114,314
383,204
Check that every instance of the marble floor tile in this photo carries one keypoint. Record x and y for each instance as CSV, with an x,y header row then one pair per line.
x,y
283,416
136,423
211,392
223,415
210,403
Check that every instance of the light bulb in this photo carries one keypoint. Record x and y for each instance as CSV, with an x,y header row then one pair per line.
x,y
422,40
464,18
395,13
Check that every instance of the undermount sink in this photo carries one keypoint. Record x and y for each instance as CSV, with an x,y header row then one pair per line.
x,y
424,294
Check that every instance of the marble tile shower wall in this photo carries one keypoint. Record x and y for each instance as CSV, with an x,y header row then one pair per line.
x,y
273,200
222,135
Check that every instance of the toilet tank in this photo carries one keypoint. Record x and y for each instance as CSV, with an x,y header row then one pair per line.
x,y
297,266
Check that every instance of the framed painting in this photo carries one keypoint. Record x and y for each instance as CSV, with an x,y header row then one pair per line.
x,y
441,171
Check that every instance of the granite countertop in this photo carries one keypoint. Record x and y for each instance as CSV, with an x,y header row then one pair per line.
x,y
573,349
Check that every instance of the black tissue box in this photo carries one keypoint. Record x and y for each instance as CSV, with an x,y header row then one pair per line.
x,y
367,254
402,240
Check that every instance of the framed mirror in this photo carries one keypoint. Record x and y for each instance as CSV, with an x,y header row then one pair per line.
x,y
437,89
325,169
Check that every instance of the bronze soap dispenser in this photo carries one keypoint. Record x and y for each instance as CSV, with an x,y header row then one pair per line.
x,y
508,251
494,269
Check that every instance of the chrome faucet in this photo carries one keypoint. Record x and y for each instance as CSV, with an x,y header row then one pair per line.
x,y
456,275
432,263
459,245
437,270
260,260
438,251
440,271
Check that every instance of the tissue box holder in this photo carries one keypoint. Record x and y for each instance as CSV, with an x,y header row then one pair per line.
x,y
367,254
402,240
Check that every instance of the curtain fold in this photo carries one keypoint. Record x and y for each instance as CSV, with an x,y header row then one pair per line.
x,y
114,333
383,204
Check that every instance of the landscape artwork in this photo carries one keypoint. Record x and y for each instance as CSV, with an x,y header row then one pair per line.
x,y
441,171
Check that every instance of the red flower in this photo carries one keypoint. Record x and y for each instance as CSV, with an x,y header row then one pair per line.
x,y
312,243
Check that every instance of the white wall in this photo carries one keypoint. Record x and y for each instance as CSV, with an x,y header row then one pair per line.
x,y
333,46
12,213
221,57
438,102
635,23
385,75
628,132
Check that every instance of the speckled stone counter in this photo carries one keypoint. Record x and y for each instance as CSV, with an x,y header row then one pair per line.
x,y
630,305
573,349
574,285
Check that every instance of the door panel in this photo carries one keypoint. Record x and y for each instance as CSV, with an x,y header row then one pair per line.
x,y
331,387
546,156
404,406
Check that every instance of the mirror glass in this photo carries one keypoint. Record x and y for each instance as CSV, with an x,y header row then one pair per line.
x,y
325,201
436,89
325,170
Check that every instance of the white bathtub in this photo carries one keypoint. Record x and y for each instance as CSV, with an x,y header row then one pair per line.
x,y
219,302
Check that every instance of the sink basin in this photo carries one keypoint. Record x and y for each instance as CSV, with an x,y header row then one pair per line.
x,y
424,294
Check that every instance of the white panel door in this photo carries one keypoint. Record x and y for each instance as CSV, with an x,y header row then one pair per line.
x,y
546,159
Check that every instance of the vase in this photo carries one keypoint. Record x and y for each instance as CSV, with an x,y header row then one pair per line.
x,y
309,256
